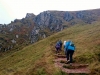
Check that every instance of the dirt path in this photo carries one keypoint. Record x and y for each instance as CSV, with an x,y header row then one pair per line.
x,y
74,68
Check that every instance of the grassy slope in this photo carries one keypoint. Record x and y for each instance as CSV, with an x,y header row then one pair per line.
x,y
37,59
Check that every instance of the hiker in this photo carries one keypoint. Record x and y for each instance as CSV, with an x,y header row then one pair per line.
x,y
60,42
57,46
70,48
64,45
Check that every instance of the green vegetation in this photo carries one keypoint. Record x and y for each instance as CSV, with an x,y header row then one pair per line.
x,y
37,59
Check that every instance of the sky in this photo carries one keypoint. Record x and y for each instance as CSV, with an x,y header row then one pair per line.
x,y
17,9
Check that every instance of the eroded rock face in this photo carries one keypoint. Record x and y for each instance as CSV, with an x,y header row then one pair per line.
x,y
35,27
87,17
48,20
68,17
28,15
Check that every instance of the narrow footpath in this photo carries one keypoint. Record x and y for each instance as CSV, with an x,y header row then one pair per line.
x,y
74,68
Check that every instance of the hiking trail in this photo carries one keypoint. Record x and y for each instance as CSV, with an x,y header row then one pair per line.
x,y
60,61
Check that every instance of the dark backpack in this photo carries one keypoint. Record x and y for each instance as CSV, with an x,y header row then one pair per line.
x,y
72,44
57,45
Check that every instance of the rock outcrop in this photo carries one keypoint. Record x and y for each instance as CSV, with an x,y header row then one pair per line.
x,y
35,27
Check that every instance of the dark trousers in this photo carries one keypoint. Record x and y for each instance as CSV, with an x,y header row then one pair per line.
x,y
57,50
69,55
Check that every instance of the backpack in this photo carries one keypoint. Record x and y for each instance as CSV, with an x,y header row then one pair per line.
x,y
57,45
72,44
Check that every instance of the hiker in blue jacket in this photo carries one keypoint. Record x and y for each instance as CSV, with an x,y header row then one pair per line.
x,y
70,48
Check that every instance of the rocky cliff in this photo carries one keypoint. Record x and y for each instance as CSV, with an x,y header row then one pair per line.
x,y
35,27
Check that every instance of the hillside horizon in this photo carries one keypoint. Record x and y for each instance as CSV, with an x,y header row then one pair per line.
x,y
51,10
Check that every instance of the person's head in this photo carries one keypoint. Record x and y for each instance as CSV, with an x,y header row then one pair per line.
x,y
69,40
59,40
64,41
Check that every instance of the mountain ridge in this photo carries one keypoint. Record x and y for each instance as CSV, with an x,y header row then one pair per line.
x,y
33,28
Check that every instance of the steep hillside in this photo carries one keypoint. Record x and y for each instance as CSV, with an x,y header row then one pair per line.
x,y
32,28
37,59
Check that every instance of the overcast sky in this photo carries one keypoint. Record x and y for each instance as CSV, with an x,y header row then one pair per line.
x,y
17,9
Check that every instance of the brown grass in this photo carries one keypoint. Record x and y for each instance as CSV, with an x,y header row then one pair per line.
x,y
37,59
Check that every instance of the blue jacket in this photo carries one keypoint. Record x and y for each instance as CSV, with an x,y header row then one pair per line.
x,y
71,48
68,46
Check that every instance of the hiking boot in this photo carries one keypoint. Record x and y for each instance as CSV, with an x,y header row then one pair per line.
x,y
67,62
70,64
